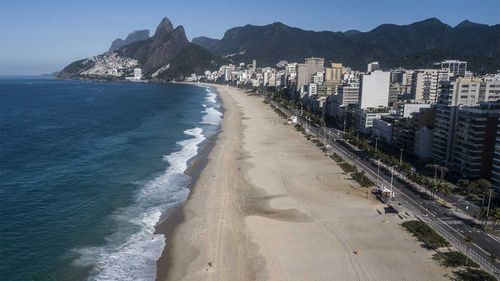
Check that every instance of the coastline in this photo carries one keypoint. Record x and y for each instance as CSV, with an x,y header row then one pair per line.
x,y
269,205
174,217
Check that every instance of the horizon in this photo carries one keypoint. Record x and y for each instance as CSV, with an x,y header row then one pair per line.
x,y
67,33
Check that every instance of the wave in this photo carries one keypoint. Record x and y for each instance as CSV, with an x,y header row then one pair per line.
x,y
212,116
211,96
132,251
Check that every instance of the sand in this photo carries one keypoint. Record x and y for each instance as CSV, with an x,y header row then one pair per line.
x,y
269,205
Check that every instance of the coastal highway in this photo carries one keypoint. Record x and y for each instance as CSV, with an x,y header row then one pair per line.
x,y
455,226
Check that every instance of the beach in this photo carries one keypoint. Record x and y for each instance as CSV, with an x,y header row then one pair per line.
x,y
269,205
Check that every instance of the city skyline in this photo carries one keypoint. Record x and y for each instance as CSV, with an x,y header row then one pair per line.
x,y
67,32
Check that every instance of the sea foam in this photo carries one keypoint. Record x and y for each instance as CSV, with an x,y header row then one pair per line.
x,y
132,251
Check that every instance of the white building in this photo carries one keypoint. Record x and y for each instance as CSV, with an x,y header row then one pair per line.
x,y
312,89
458,68
372,66
425,83
406,109
318,78
366,117
374,89
137,73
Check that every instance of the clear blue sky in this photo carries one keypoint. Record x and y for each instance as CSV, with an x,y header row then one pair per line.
x,y
38,36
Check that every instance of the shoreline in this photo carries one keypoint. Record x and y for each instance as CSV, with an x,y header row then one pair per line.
x,y
268,205
174,217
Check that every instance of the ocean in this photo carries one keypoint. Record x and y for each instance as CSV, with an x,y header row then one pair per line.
x,y
88,168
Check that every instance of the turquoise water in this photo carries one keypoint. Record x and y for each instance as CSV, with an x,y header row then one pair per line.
x,y
86,170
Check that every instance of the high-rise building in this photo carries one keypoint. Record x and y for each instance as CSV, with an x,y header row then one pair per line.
x,y
305,71
302,76
290,74
374,89
254,65
425,84
137,73
458,68
346,95
334,73
495,169
462,92
366,116
474,140
372,66
318,78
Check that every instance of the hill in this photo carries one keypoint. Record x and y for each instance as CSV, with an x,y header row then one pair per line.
x,y
415,45
165,55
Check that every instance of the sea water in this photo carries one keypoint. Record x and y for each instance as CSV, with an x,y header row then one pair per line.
x,y
88,168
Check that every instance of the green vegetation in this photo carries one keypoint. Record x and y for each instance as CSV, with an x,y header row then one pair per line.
x,y
472,274
336,157
299,127
362,179
453,259
425,234
348,168
403,45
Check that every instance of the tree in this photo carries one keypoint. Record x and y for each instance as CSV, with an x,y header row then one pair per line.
x,y
468,240
484,186
483,215
443,187
496,216
464,185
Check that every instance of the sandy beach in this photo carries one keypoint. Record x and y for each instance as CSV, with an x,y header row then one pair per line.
x,y
269,205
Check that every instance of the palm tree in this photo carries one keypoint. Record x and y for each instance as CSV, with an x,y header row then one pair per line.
x,y
496,216
443,187
468,240
484,186
483,215
435,168
464,185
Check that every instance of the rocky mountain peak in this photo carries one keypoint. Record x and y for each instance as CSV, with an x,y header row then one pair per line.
x,y
164,28
133,37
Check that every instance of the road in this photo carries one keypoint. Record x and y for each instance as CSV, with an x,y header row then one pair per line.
x,y
449,220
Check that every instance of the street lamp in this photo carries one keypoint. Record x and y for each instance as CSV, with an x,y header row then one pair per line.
x,y
378,172
488,210
401,157
392,178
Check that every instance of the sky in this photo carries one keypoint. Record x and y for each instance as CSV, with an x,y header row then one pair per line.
x,y
42,36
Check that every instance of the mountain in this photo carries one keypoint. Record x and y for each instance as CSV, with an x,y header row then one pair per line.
x,y
351,32
165,55
133,37
415,45
204,42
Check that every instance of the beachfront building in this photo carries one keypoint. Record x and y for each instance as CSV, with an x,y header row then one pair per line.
x,y
366,116
468,92
346,95
382,129
474,140
495,169
374,89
